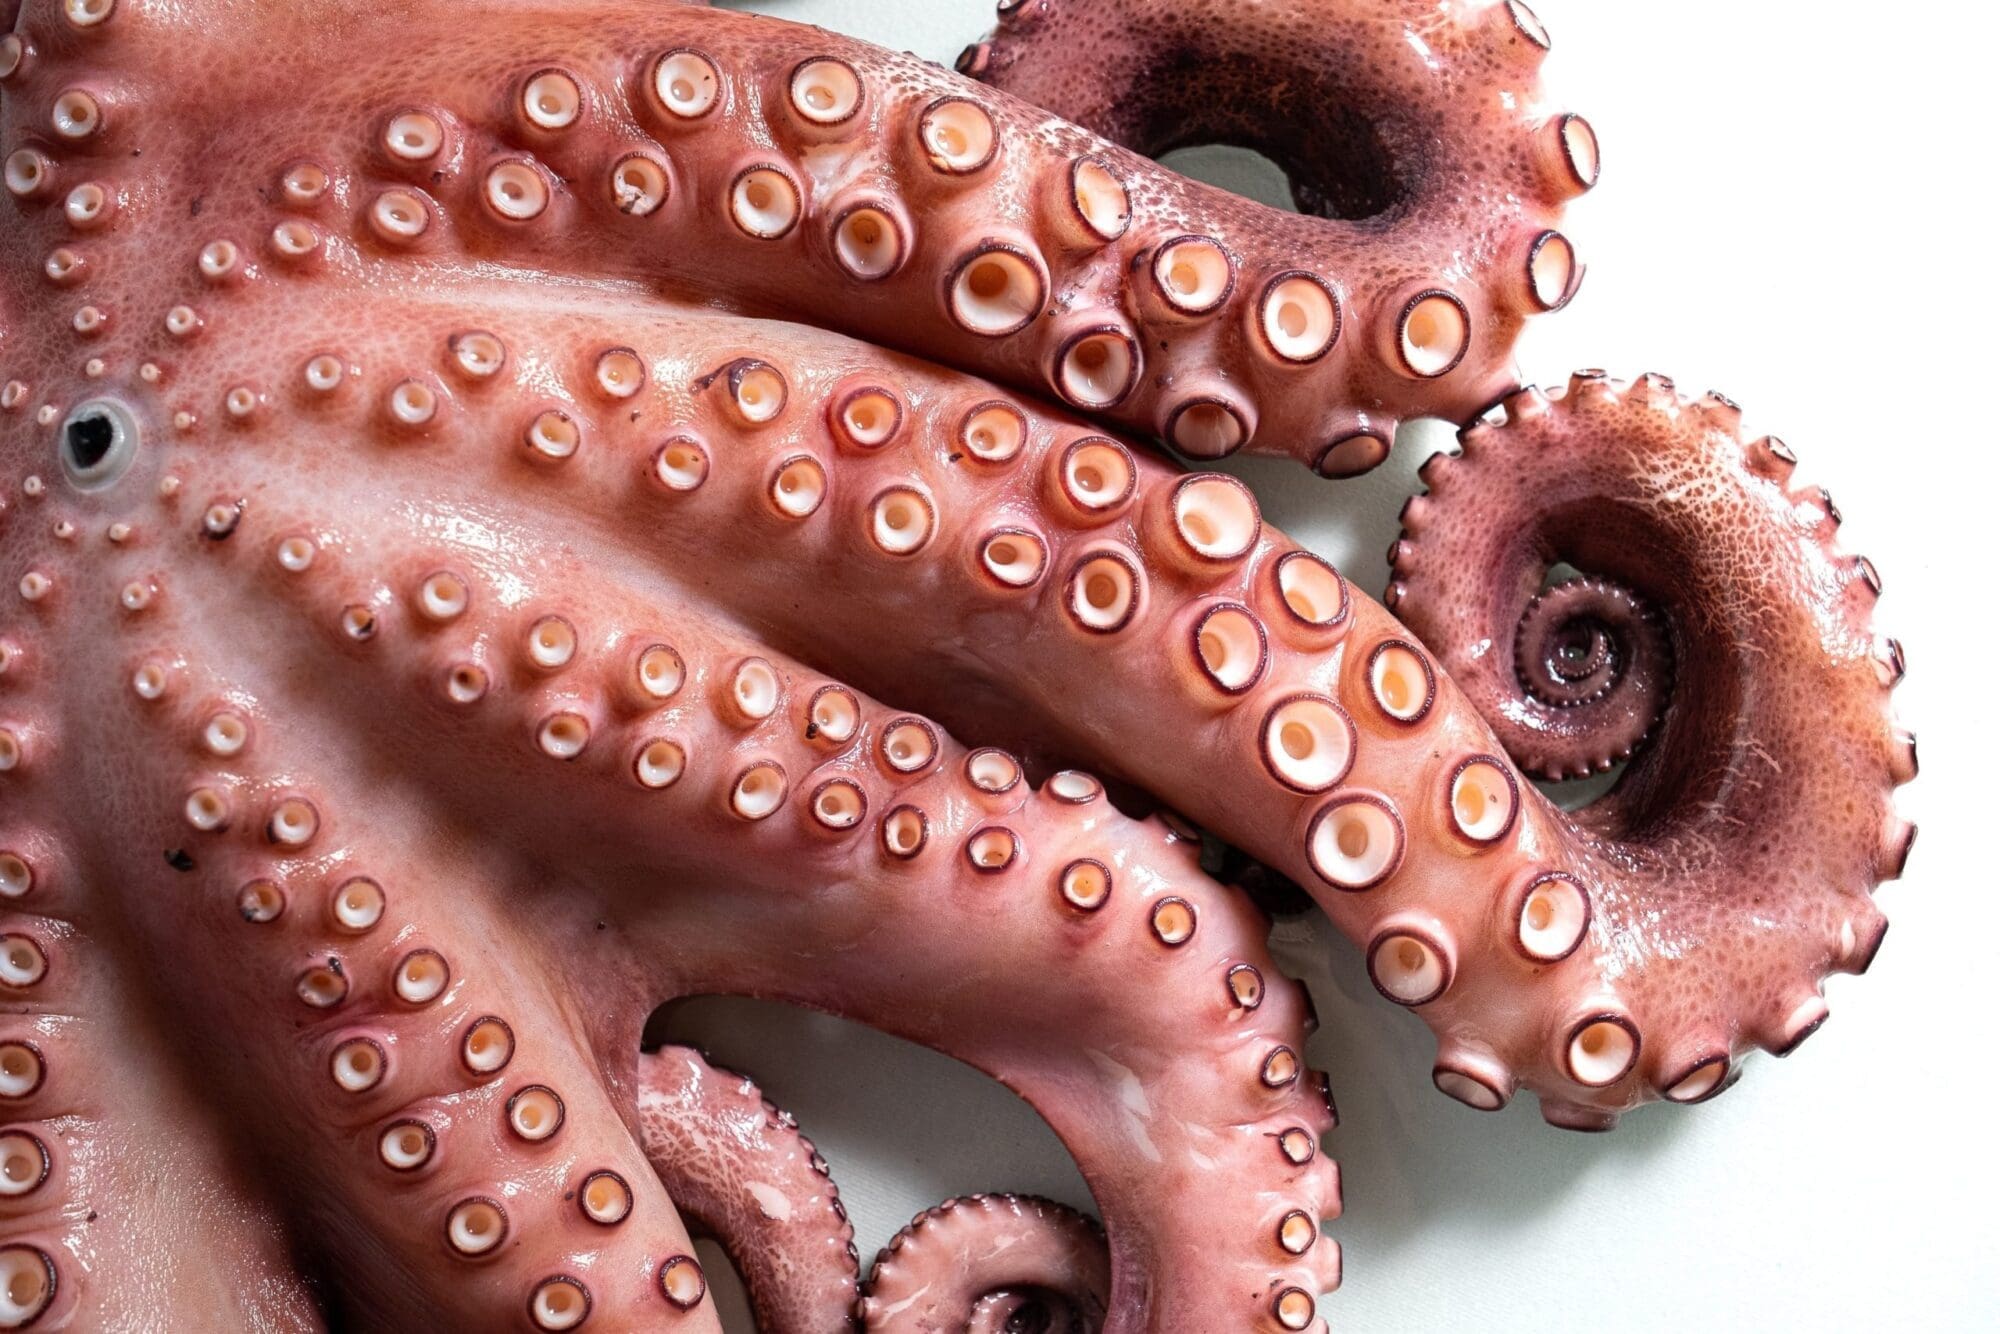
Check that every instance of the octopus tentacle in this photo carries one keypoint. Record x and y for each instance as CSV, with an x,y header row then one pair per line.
x,y
1027,544
989,1264
124,1199
1718,565
1593,667
1354,103
570,711
739,1170
429,1093
787,170
453,582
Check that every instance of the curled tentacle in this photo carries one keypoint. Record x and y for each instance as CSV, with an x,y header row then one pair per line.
x,y
1716,612
739,1171
1594,665
1250,687
1366,109
991,1264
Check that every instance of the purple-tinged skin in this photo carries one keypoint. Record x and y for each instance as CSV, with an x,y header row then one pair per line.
x,y
458,601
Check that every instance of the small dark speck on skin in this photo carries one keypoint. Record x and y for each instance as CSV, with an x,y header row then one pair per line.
x,y
602,925
179,860
568,1195
953,457
812,730
90,1217
333,965
194,207
437,178
635,414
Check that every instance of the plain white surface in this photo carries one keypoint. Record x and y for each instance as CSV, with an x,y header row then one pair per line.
x,y
1796,209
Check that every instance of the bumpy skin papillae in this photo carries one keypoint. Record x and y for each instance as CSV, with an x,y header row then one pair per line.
x,y
407,624
1181,310
740,1171
356,456
990,1264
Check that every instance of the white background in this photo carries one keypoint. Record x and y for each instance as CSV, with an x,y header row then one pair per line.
x,y
1796,209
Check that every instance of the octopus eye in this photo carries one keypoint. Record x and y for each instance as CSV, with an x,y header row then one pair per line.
x,y
97,443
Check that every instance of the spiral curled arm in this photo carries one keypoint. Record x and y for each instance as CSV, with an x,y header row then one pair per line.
x,y
1719,638
991,1264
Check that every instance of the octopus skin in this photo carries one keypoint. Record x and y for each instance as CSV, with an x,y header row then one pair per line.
x,y
484,562
739,1170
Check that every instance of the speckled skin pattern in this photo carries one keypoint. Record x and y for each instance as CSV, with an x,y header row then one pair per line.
x,y
461,502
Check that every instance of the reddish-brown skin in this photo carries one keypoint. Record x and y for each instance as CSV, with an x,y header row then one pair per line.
x,y
423,655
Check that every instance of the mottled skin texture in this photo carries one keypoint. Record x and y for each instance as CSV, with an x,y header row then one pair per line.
x,y
436,538
739,1170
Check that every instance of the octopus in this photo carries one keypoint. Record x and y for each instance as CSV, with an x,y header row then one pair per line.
x,y
516,513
